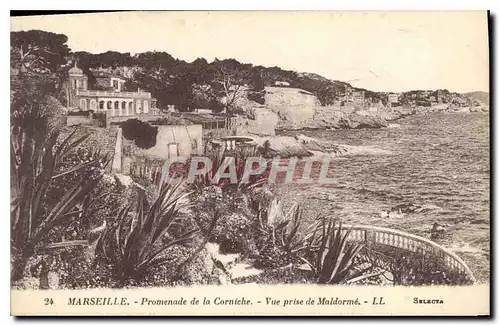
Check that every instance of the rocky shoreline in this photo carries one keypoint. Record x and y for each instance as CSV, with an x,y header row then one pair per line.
x,y
325,118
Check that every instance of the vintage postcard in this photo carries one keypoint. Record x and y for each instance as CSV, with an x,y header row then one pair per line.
x,y
250,163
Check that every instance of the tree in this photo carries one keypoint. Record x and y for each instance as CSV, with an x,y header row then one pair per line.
x,y
141,132
229,84
203,96
256,91
38,49
326,95
155,59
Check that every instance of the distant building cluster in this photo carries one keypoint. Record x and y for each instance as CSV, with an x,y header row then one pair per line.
x,y
357,97
427,98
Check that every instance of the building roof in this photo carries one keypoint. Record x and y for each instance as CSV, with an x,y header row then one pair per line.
x,y
75,70
105,72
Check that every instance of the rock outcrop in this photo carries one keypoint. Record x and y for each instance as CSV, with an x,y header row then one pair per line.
x,y
289,108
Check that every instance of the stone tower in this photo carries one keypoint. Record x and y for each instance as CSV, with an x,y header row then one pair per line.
x,y
76,81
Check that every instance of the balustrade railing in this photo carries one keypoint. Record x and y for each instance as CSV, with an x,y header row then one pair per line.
x,y
113,94
409,242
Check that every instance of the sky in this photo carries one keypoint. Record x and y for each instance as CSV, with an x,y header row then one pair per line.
x,y
380,51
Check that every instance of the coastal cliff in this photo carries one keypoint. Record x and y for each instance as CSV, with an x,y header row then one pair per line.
x,y
288,108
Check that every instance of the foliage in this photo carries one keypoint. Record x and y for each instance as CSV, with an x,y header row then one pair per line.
x,y
233,223
281,275
266,149
174,81
170,120
34,158
212,177
141,132
256,90
230,200
100,117
147,171
333,254
251,113
409,268
232,232
100,201
279,241
199,84
43,211
257,97
36,49
137,243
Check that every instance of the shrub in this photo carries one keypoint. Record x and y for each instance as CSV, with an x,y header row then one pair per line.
x,y
278,239
35,154
217,160
233,224
100,117
100,202
231,202
258,97
410,268
251,113
135,245
232,232
170,120
147,171
76,268
142,133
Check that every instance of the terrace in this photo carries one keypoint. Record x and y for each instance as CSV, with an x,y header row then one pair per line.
x,y
92,93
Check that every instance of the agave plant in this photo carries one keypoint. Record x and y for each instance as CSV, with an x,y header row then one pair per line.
x,y
36,151
333,254
279,240
136,243
282,229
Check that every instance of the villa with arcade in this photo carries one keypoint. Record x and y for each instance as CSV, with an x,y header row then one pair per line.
x,y
110,98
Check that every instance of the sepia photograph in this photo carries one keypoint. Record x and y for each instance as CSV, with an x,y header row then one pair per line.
x,y
171,152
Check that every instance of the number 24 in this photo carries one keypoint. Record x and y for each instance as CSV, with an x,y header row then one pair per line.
x,y
48,301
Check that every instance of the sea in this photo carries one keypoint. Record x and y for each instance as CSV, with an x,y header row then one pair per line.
x,y
437,161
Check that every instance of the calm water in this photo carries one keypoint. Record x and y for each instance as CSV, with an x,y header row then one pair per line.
x,y
438,160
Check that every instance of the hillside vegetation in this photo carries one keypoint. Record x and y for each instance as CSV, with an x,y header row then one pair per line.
x,y
480,96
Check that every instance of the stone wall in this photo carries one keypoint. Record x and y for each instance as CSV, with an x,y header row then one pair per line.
x,y
122,118
73,120
84,119
264,123
176,139
116,166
